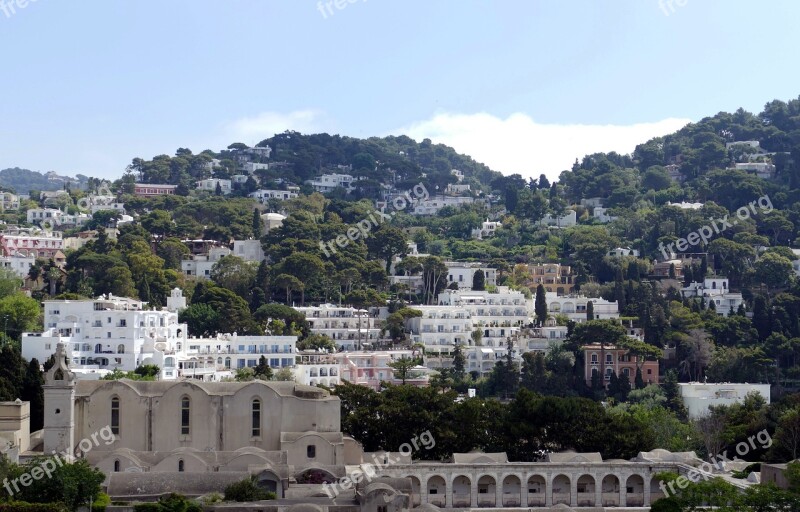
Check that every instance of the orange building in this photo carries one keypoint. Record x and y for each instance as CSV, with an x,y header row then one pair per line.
x,y
617,360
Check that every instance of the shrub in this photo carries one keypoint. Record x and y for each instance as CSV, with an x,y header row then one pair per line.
x,y
247,490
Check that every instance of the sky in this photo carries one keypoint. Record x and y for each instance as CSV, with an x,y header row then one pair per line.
x,y
524,86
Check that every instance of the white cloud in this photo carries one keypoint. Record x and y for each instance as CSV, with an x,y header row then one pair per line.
x,y
518,144
251,130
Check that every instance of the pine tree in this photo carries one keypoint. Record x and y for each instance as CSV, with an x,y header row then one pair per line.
x,y
589,311
257,224
479,280
459,363
639,381
540,305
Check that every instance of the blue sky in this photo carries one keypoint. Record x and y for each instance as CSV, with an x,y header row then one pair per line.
x,y
524,85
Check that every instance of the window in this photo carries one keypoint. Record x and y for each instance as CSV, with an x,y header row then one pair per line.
x,y
311,451
185,414
180,465
116,466
115,416
256,425
120,349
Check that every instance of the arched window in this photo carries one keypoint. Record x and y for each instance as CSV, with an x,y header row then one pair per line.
x,y
120,349
180,465
256,425
185,415
116,466
115,416
311,451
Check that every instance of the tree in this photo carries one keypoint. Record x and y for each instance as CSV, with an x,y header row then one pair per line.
x,y
32,391
257,224
200,319
774,271
540,306
317,342
459,363
235,274
262,371
73,484
289,283
247,490
19,314
402,368
589,310
479,280
788,432
387,242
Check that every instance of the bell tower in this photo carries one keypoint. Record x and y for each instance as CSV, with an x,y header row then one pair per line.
x,y
59,406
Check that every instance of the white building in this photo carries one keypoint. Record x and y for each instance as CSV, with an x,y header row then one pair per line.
x,y
463,274
272,220
486,230
431,206
251,167
763,170
620,252
699,396
329,182
249,250
456,189
19,264
683,205
200,265
574,307
107,333
316,368
497,315
601,214
111,333
440,328
263,195
41,215
9,201
567,220
716,290
348,327
210,185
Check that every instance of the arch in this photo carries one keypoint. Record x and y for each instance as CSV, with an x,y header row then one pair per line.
x,y
416,497
121,348
655,490
487,491
114,424
269,481
561,491
512,491
315,475
609,488
98,348
537,491
255,409
181,465
462,491
186,415
437,490
116,465
586,491
169,362
634,491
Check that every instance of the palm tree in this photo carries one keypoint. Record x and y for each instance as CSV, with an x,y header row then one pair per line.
x,y
53,276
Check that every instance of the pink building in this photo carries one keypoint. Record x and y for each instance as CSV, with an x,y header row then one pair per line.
x,y
372,368
153,190
31,243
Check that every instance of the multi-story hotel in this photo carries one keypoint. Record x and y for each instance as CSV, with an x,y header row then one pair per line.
x,y
350,328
